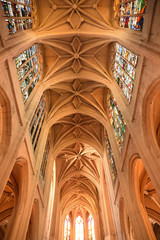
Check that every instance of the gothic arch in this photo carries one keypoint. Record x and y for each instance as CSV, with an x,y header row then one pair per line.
x,y
14,196
143,193
79,140
62,78
89,176
69,111
151,118
5,122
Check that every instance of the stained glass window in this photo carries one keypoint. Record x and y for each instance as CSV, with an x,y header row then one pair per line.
x,y
37,122
79,229
111,160
67,228
17,14
131,13
91,232
44,162
28,70
124,69
116,119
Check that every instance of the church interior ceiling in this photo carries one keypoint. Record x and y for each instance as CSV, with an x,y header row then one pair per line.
x,y
76,70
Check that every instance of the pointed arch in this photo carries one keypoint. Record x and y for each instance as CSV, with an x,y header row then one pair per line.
x,y
143,194
16,190
151,116
5,122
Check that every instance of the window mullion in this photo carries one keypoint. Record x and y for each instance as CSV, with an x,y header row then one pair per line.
x,y
35,114
32,81
125,59
38,130
18,18
123,69
37,122
26,75
29,59
124,81
132,15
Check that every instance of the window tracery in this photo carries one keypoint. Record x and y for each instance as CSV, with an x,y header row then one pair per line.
x,y
91,232
116,119
79,228
18,15
28,70
44,162
124,69
111,160
131,13
37,122
67,228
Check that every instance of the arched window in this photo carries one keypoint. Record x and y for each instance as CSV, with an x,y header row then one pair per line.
x,y
67,228
79,228
91,231
111,160
116,119
131,13
124,64
44,162
17,15
37,122
28,70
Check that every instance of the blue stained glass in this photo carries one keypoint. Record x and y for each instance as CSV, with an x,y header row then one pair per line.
x,y
131,14
124,69
116,120
22,13
111,160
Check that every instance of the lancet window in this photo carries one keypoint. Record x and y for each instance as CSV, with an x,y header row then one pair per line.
x,y
28,69
79,228
124,69
116,119
131,13
37,122
111,160
44,162
18,14
91,231
67,228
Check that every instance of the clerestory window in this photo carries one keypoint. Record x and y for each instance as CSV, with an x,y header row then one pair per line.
x,y
18,15
28,70
111,160
37,122
131,13
91,231
44,162
116,119
67,228
79,229
124,64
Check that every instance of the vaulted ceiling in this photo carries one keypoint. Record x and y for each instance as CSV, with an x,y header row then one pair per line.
x,y
76,76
